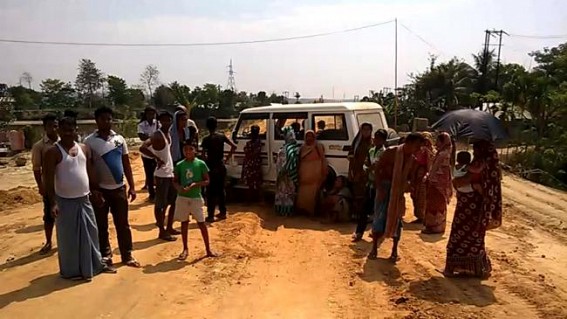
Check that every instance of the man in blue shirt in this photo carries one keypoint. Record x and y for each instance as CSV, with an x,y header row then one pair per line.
x,y
111,163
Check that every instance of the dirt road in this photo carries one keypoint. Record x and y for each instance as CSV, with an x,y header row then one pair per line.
x,y
273,267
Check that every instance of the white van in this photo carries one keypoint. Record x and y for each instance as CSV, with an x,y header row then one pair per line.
x,y
336,125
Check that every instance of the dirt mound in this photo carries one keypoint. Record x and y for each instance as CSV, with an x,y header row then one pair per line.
x,y
18,196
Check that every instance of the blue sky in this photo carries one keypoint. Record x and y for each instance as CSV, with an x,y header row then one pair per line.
x,y
346,64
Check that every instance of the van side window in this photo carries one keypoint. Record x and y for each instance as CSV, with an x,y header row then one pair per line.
x,y
246,122
296,120
330,127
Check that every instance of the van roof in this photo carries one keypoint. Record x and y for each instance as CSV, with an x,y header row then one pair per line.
x,y
348,106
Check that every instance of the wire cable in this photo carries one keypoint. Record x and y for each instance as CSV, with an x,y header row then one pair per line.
x,y
309,36
557,36
421,38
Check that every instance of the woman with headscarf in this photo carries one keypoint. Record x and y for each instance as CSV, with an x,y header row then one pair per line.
x,y
252,166
358,176
439,188
424,160
312,173
287,179
476,212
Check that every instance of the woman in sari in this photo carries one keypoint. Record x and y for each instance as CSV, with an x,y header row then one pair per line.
x,y
439,188
252,166
424,159
475,213
287,180
358,176
312,174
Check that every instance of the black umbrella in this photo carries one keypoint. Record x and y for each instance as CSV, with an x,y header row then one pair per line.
x,y
474,124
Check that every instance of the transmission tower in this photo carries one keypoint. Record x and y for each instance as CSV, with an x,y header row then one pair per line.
x,y
231,82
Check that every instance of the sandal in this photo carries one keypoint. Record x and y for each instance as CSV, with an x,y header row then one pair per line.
x,y
167,237
183,256
45,249
106,269
173,232
133,263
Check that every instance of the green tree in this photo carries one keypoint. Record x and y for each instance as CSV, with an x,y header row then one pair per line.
x,y
25,99
89,81
163,97
136,99
182,93
57,94
117,90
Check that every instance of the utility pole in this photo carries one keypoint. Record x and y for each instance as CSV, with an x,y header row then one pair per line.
x,y
396,74
486,52
499,49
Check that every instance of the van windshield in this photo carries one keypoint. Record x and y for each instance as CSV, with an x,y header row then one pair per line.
x,y
373,118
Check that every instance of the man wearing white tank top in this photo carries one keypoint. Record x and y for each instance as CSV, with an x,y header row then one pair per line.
x,y
158,147
67,176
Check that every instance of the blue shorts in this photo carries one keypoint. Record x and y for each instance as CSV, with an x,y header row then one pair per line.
x,y
381,213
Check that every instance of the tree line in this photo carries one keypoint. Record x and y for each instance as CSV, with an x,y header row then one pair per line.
x,y
92,88
532,102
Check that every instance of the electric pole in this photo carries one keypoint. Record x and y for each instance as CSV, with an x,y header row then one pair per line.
x,y
486,52
499,50
396,74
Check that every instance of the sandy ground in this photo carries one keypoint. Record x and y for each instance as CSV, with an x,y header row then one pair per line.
x,y
272,267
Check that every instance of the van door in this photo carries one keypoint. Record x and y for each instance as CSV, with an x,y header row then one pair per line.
x,y
332,130
241,135
280,120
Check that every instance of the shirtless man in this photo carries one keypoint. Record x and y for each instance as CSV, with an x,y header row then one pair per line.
x,y
157,148
393,172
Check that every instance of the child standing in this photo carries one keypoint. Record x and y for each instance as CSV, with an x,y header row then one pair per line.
x,y
191,175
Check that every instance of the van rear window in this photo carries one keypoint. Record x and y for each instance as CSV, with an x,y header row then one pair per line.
x,y
373,118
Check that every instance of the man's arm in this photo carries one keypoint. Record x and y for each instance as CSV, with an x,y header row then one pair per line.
x,y
232,148
128,171
52,157
143,136
36,164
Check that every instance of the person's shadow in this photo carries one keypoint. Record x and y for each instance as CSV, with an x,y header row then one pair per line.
x,y
33,257
38,288
381,269
453,290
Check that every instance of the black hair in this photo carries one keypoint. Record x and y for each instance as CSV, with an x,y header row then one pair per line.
x,y
68,120
103,110
464,158
366,125
381,133
321,123
414,138
70,113
212,123
189,142
48,118
163,114
296,126
149,109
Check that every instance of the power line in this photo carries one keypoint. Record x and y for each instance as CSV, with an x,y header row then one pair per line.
x,y
309,36
421,38
557,36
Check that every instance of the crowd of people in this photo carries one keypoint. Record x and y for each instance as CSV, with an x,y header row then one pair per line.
x,y
378,179
82,183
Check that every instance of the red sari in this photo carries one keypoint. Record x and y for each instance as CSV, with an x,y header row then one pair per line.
x,y
476,212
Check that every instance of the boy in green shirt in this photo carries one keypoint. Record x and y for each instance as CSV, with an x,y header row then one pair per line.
x,y
191,175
